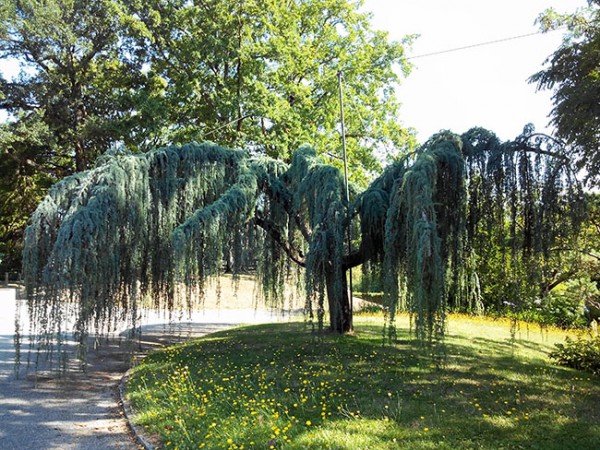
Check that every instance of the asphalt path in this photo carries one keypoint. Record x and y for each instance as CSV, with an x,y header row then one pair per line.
x,y
81,410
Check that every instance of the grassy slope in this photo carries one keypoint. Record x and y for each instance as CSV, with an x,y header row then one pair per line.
x,y
280,385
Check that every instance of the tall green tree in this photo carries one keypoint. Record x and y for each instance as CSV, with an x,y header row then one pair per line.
x,y
573,73
263,75
70,102
256,74
76,58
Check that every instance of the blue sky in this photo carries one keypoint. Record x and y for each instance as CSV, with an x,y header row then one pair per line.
x,y
483,86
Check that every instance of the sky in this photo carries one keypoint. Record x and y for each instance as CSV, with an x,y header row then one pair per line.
x,y
483,86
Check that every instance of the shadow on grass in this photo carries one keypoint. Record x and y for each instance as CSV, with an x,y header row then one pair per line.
x,y
351,392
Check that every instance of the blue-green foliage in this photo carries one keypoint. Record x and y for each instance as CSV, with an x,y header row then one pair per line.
x,y
105,240
470,223
423,230
148,230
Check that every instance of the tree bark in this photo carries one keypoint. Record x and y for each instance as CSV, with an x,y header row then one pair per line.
x,y
340,314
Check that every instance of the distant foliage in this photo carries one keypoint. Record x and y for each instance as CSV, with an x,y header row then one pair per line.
x,y
566,307
525,209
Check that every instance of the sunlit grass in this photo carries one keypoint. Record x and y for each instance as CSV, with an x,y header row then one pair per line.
x,y
281,386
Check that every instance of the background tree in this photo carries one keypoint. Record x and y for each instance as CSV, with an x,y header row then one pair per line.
x,y
150,229
573,72
75,57
71,101
525,218
262,75
258,74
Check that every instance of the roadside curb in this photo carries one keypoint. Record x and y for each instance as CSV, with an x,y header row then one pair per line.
x,y
128,414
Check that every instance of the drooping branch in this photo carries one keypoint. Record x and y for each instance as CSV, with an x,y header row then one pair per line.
x,y
109,240
524,200
277,192
353,259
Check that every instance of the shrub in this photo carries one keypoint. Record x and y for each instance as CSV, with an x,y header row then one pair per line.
x,y
565,307
582,353
370,309
563,311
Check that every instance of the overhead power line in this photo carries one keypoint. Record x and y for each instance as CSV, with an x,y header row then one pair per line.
x,y
480,44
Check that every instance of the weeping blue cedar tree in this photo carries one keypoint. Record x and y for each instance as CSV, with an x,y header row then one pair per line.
x,y
525,213
149,230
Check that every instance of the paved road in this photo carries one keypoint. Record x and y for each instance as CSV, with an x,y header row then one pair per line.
x,y
81,412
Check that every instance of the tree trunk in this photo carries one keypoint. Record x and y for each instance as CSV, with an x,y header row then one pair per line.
x,y
340,313
81,162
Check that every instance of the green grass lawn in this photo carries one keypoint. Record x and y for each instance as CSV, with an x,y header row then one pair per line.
x,y
282,387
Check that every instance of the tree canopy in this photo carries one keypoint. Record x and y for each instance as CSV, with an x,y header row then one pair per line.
x,y
573,73
150,229
259,74
262,75
68,103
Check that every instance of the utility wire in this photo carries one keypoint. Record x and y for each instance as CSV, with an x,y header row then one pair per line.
x,y
480,44
214,130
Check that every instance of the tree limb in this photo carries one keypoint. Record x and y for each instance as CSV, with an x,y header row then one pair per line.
x,y
583,252
286,202
353,259
31,163
275,234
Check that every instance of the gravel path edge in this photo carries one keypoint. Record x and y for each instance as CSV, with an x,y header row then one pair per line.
x,y
136,431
